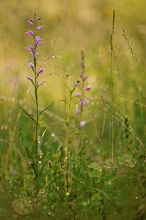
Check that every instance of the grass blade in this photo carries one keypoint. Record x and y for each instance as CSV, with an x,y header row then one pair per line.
x,y
46,108
27,113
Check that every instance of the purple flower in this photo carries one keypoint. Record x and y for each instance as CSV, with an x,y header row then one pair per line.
x,y
29,32
30,64
31,22
41,70
84,102
77,94
82,123
88,88
83,77
39,28
34,54
38,40
29,78
40,84
33,51
77,110
31,48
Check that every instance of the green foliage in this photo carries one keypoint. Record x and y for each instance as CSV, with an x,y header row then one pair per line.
x,y
94,171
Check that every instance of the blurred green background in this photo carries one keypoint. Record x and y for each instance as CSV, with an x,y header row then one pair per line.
x,y
69,26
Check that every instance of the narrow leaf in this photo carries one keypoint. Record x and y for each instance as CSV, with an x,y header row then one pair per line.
x,y
27,113
46,108
65,102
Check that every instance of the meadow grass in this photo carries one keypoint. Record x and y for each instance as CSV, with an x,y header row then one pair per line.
x,y
73,142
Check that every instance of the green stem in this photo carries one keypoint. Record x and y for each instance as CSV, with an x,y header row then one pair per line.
x,y
111,86
67,145
36,124
36,129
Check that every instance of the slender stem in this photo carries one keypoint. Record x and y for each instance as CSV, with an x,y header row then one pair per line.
x,y
66,161
36,107
67,145
111,85
83,79
36,125
82,94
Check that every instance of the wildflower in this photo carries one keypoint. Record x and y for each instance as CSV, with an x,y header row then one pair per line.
x,y
88,88
77,110
40,84
29,32
84,102
31,48
30,64
41,70
39,27
83,99
82,123
29,78
84,78
77,94
31,22
38,40
34,80
34,53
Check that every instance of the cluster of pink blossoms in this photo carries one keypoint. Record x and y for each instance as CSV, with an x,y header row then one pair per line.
x,y
83,100
33,48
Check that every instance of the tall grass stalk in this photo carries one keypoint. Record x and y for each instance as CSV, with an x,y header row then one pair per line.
x,y
111,88
129,44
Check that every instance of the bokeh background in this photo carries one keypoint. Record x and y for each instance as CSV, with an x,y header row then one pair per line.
x,y
69,26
